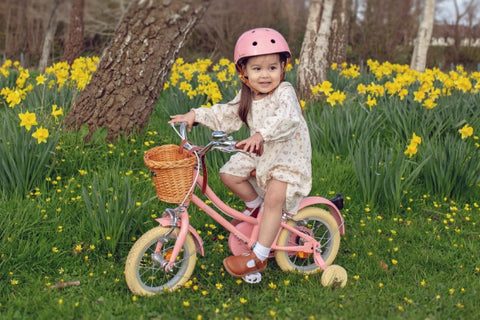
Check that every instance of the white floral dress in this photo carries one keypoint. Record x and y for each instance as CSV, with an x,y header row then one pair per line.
x,y
287,151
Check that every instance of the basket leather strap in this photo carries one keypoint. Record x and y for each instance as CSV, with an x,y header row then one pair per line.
x,y
182,145
204,169
202,158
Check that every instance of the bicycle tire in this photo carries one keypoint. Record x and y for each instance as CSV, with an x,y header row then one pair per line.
x,y
323,227
145,276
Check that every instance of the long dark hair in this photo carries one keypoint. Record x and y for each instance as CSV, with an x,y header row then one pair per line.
x,y
247,94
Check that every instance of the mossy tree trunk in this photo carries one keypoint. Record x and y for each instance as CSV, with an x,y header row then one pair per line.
x,y
133,69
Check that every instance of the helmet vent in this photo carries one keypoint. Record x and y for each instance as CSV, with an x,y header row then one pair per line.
x,y
254,43
272,40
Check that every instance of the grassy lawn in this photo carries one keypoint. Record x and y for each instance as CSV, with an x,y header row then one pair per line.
x,y
412,225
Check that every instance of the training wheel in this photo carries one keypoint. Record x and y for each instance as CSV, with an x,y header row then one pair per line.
x,y
334,275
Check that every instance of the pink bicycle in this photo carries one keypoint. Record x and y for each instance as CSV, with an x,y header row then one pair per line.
x,y
164,258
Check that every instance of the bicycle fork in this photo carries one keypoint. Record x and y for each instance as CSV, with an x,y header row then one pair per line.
x,y
168,262
310,245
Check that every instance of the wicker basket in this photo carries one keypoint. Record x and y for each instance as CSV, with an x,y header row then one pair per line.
x,y
172,172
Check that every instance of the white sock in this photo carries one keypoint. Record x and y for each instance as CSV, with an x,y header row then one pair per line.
x,y
253,204
261,252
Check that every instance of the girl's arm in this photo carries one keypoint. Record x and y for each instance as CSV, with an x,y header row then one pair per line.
x,y
218,117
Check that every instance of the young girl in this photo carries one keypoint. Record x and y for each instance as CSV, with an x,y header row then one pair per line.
x,y
279,140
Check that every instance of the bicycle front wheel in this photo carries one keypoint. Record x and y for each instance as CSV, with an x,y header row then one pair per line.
x,y
144,268
317,223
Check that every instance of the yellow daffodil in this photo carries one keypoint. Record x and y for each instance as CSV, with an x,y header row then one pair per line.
x,y
466,131
41,135
28,120
361,88
12,96
371,101
56,112
336,97
411,150
416,139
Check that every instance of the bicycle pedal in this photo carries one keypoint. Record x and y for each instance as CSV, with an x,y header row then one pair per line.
x,y
253,278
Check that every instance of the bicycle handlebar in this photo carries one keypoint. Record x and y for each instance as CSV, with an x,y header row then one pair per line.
x,y
220,141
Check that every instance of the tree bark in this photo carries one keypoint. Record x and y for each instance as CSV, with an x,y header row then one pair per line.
x,y
313,64
424,35
74,44
49,35
132,71
339,32
16,29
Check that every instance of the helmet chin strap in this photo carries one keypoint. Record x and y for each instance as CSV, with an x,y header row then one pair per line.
x,y
245,80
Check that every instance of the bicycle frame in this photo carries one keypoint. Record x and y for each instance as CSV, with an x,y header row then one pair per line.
x,y
181,221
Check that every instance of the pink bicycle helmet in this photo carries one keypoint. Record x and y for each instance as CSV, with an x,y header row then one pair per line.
x,y
259,41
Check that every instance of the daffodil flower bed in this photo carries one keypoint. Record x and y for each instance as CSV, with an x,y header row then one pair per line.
x,y
401,146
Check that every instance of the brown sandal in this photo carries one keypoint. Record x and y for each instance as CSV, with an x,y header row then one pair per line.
x,y
237,266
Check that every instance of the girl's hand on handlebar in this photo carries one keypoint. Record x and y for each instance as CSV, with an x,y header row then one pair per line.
x,y
254,144
188,118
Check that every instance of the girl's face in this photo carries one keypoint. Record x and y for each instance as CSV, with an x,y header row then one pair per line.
x,y
264,72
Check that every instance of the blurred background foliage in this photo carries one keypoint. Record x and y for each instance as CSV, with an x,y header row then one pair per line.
x,y
382,30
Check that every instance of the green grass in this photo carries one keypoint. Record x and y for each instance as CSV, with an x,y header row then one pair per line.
x,y
421,262
410,249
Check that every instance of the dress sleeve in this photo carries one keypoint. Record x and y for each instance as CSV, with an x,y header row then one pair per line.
x,y
220,116
283,123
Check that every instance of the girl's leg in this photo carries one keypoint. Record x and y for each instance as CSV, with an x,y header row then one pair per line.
x,y
272,212
239,186
256,261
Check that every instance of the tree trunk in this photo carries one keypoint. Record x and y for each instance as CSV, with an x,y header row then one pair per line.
x,y
424,35
313,56
132,71
49,35
339,32
74,44
15,29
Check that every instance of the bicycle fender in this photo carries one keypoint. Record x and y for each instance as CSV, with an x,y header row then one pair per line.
x,y
166,222
308,201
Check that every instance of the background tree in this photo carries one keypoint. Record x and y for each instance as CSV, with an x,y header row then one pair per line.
x,y
225,20
131,74
74,44
23,28
379,29
424,35
384,29
312,68
465,12
15,32
340,29
49,35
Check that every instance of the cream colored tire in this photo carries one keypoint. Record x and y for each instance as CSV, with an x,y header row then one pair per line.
x,y
144,276
323,227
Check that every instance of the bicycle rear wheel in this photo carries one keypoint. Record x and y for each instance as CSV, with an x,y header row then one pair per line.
x,y
317,223
144,268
